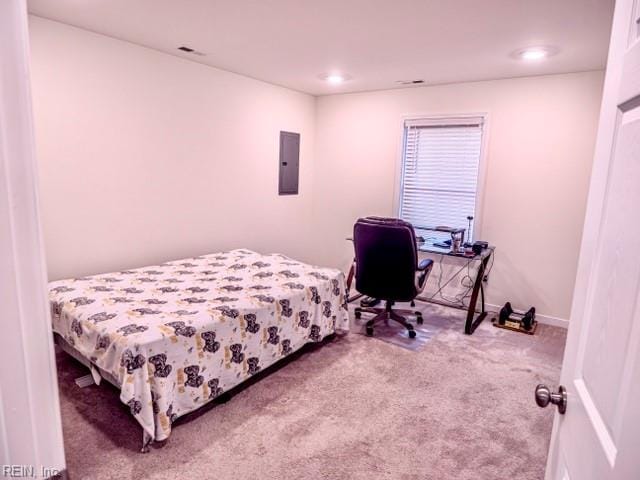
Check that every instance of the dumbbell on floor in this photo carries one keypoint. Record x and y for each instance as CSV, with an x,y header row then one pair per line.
x,y
505,313
528,319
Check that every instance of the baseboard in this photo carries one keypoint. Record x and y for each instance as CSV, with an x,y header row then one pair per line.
x,y
546,319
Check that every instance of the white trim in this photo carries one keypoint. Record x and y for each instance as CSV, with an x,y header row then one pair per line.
x,y
482,179
599,426
30,405
544,319
452,120
482,166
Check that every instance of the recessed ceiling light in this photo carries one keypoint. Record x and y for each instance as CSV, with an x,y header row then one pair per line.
x,y
533,54
334,78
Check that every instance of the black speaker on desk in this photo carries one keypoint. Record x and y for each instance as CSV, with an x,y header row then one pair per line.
x,y
479,246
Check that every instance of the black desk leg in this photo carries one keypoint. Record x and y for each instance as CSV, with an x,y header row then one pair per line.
x,y
350,276
471,324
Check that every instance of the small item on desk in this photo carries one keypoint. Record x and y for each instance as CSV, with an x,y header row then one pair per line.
x,y
518,322
456,241
453,231
443,244
479,246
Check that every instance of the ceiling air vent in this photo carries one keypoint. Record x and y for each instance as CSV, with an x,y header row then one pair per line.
x,y
190,50
409,82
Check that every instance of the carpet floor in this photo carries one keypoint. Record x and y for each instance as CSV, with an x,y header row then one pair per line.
x,y
353,407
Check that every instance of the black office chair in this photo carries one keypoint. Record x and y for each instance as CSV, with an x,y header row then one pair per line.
x,y
387,268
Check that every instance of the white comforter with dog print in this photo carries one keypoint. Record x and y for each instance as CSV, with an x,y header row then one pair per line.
x,y
177,335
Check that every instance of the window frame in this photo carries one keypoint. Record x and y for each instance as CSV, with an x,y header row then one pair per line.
x,y
454,118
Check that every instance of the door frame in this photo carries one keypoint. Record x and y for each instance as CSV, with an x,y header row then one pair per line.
x,y
30,424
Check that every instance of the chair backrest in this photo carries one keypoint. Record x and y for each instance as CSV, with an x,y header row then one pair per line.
x,y
386,258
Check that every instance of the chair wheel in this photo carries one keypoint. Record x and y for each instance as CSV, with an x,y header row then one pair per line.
x,y
412,334
419,320
369,331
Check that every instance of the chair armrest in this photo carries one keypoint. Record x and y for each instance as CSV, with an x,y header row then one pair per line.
x,y
424,264
424,269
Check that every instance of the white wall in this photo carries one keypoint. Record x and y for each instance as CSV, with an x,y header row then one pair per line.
x,y
540,147
146,157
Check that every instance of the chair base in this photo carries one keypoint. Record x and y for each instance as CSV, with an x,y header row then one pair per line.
x,y
387,313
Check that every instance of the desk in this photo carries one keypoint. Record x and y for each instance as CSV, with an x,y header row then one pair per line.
x,y
472,320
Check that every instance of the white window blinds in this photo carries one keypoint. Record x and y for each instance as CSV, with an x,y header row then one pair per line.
x,y
440,167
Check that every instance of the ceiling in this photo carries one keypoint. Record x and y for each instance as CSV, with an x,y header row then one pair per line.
x,y
376,42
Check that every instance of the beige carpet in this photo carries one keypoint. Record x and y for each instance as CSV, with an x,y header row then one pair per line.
x,y
353,408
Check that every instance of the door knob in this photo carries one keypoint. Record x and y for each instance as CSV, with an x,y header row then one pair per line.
x,y
544,397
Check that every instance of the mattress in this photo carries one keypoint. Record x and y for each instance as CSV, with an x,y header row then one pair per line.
x,y
177,335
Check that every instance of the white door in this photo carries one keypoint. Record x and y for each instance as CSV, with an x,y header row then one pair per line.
x,y
598,438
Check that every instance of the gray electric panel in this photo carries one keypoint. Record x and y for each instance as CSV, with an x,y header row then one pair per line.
x,y
289,163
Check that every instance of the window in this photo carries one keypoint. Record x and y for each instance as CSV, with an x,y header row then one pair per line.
x,y
440,165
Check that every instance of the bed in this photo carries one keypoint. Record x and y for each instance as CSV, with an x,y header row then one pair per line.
x,y
175,336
